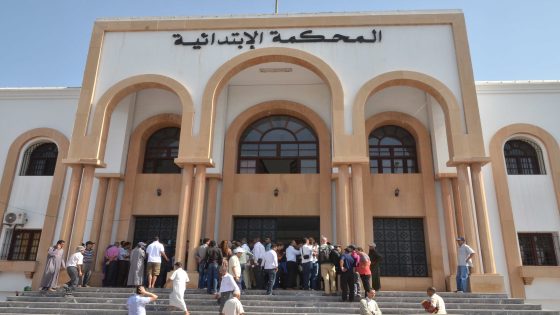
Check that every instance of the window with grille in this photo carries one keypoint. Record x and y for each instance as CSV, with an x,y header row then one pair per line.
x,y
278,145
401,243
392,150
39,160
24,245
523,157
161,150
538,249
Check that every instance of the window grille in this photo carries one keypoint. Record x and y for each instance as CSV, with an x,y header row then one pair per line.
x,y
24,245
523,157
538,249
392,150
39,160
278,145
161,150
401,243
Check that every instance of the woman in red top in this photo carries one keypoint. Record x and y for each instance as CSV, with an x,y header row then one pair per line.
x,y
363,269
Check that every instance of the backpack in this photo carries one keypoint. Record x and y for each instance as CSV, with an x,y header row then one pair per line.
x,y
324,253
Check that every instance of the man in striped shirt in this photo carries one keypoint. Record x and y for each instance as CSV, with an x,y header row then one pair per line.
x,y
89,261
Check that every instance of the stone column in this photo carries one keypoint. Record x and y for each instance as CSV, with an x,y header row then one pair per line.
x,y
82,208
71,201
468,213
195,227
107,222
458,207
487,250
343,206
211,207
98,210
184,207
358,205
449,217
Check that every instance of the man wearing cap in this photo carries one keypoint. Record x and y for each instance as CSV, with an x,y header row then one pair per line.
x,y
235,265
136,271
74,267
464,260
89,261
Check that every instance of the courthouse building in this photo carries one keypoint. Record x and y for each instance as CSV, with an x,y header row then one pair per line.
x,y
360,127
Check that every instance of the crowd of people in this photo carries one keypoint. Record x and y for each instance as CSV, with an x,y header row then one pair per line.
x,y
302,264
233,266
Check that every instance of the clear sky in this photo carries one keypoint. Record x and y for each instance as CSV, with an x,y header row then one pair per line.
x,y
45,42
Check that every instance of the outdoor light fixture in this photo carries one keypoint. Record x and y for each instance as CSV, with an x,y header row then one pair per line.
x,y
397,192
158,192
276,191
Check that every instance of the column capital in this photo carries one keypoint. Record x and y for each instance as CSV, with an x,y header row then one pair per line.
x,y
118,176
349,160
85,162
456,161
182,161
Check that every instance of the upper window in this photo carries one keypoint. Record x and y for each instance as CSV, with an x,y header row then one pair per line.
x,y
278,145
39,160
523,157
161,150
392,150
537,249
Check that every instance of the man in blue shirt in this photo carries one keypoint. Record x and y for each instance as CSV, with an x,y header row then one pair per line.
x,y
347,264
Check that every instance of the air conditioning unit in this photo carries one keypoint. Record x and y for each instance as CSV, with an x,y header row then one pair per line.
x,y
12,218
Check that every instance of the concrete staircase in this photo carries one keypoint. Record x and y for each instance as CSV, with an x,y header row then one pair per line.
x,y
111,301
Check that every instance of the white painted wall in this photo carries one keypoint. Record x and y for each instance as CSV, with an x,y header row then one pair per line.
x,y
13,281
425,49
24,109
533,200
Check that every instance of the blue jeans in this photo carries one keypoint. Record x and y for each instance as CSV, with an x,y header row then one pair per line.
x,y
462,277
306,274
212,276
202,275
271,278
314,276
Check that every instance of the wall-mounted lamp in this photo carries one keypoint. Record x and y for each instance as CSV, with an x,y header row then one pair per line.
x,y
397,192
276,192
158,192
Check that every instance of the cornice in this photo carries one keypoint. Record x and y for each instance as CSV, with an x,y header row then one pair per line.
x,y
40,93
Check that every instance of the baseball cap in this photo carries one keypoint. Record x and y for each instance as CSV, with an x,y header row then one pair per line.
x,y
238,250
460,238
80,248
89,242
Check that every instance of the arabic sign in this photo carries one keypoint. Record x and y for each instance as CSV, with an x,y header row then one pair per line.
x,y
246,39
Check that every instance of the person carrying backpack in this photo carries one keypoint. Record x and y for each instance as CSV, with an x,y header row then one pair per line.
x,y
328,271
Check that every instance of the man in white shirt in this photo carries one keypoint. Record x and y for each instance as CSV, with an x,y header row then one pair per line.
x,y
136,304
435,305
154,252
291,258
368,306
306,261
227,287
258,255
244,261
270,264
74,267
235,265
233,306
464,261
